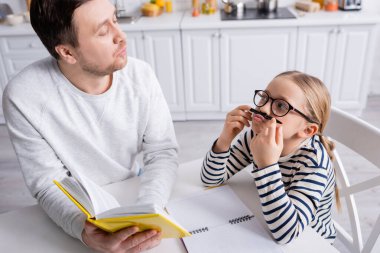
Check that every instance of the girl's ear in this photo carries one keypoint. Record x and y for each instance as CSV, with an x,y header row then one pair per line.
x,y
310,130
66,54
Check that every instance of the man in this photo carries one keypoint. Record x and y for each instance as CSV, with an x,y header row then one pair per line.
x,y
86,109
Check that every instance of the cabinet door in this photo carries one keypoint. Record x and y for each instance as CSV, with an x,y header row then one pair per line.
x,y
163,53
135,46
352,66
16,53
20,51
201,70
3,82
316,52
250,58
15,63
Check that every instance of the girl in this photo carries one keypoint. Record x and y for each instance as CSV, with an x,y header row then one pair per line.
x,y
291,158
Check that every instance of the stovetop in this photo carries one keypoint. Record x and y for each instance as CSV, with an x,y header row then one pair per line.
x,y
249,14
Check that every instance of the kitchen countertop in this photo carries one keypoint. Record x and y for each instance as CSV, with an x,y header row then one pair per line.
x,y
166,21
184,21
304,19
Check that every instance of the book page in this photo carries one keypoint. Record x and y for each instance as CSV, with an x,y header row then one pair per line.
x,y
129,210
220,222
76,191
100,199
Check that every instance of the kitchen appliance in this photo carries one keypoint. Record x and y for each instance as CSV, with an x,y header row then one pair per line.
x,y
350,5
230,6
127,15
266,6
254,13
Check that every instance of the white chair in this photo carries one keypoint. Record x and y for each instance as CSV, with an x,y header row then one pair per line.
x,y
364,139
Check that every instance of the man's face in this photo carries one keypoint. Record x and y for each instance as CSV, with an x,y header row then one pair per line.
x,y
102,45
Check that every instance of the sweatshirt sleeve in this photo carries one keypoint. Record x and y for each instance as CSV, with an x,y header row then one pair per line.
x,y
39,163
288,213
217,168
159,149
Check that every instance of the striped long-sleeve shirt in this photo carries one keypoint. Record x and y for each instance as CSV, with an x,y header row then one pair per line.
x,y
296,192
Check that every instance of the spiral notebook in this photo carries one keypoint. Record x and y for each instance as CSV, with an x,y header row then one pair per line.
x,y
220,222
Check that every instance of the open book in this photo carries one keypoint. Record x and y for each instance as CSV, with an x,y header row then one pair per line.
x,y
220,223
103,210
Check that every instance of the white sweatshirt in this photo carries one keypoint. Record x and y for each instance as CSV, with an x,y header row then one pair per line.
x,y
55,127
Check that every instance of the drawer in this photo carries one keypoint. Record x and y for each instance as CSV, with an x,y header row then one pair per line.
x,y
15,63
21,44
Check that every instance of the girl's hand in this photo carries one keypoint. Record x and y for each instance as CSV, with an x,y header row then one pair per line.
x,y
266,147
235,122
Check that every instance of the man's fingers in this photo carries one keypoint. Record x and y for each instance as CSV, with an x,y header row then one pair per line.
x,y
138,238
147,244
89,227
125,233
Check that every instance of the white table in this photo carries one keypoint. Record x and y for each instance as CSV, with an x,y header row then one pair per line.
x,y
30,229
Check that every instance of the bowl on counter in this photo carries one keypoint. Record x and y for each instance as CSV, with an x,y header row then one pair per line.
x,y
13,19
5,9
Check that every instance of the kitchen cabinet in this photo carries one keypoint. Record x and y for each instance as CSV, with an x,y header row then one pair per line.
x,y
223,67
250,58
16,53
206,66
20,51
341,57
162,50
3,81
201,64
135,46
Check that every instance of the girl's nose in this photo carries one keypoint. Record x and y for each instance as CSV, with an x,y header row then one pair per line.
x,y
266,108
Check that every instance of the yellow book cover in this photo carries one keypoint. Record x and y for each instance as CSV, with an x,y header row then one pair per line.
x,y
111,217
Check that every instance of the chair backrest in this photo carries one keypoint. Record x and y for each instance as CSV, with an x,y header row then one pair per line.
x,y
364,139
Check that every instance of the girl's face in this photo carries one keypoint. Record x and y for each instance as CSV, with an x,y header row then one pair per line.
x,y
293,123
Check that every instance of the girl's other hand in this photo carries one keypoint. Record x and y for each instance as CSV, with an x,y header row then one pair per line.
x,y
233,125
266,147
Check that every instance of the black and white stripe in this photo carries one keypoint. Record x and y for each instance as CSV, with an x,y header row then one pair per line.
x,y
296,192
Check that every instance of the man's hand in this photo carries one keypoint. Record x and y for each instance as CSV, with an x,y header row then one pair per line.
x,y
266,147
127,240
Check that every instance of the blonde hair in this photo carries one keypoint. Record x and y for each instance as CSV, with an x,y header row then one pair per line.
x,y
318,108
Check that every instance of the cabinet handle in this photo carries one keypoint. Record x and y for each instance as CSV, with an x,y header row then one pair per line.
x,y
215,35
339,31
220,35
143,37
33,45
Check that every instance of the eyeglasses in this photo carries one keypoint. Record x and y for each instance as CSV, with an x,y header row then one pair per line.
x,y
279,107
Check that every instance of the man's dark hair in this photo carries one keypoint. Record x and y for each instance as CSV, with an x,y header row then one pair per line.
x,y
52,20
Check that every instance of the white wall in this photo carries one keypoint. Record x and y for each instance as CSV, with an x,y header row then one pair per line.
x,y
372,5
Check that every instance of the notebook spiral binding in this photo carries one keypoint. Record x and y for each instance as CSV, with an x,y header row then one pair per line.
x,y
233,221
200,230
241,219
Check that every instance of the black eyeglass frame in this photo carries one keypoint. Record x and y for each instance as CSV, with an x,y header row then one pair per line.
x,y
290,106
